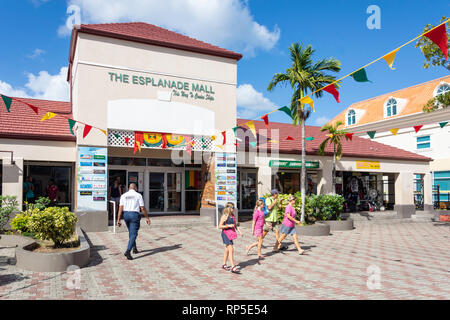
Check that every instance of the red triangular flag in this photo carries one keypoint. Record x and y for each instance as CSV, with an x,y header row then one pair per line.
x,y
236,144
87,129
127,140
331,88
417,128
289,138
35,109
266,120
224,134
349,136
439,37
164,141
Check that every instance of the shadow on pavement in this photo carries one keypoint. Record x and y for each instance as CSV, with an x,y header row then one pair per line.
x,y
95,258
157,250
10,278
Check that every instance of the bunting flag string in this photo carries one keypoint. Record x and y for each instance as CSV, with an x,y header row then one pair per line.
x,y
371,134
71,124
251,126
394,131
224,135
7,101
87,129
331,88
349,136
443,124
48,116
117,136
307,100
266,120
289,138
439,36
389,58
360,75
286,110
309,138
127,140
417,128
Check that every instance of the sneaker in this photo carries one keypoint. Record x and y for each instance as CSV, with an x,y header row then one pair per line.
x,y
135,251
128,255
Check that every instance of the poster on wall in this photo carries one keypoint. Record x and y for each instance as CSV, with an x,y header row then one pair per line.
x,y
92,185
225,181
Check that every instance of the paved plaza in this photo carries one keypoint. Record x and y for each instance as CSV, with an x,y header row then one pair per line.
x,y
184,263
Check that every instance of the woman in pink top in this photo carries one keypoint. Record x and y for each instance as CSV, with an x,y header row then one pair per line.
x,y
257,227
288,225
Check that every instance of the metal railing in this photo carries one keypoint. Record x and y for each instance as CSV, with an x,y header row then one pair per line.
x,y
114,214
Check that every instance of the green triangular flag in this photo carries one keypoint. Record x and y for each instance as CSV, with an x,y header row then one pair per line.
x,y
309,138
371,134
253,144
117,135
360,75
234,129
286,110
7,101
71,124
443,124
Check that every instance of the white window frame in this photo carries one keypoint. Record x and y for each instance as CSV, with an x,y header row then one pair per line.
x,y
353,117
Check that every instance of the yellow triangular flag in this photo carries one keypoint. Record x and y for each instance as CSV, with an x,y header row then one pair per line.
x,y
389,58
309,101
104,131
394,131
273,141
48,115
213,138
219,145
330,135
251,126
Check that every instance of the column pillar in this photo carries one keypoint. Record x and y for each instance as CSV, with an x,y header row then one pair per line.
x,y
12,180
428,193
404,195
264,180
325,185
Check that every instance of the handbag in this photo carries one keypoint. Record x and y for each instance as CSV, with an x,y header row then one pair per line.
x,y
231,233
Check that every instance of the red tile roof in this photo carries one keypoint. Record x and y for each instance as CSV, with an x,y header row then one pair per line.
x,y
23,123
358,147
151,34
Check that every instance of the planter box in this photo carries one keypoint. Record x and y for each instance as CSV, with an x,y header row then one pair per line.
x,y
340,225
317,229
46,262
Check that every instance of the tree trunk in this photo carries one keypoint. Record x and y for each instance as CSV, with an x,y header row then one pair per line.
x,y
303,175
334,170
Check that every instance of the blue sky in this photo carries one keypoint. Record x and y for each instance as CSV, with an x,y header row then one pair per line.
x,y
35,44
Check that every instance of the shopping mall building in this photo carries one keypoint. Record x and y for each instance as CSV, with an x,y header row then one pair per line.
x,y
174,96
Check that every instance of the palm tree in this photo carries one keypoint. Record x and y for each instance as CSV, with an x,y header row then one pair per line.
x,y
334,137
304,75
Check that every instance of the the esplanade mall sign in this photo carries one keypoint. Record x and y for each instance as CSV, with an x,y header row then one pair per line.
x,y
188,90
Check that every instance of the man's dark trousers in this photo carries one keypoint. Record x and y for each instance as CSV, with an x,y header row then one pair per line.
x,y
133,222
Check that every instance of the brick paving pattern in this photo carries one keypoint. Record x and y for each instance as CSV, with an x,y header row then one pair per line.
x,y
184,263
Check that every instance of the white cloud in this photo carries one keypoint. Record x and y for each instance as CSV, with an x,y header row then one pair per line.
x,y
227,23
250,102
41,86
36,53
321,121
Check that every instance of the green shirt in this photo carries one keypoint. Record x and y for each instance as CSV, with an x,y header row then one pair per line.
x,y
273,214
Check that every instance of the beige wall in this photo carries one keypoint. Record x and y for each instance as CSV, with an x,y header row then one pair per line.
x,y
96,56
40,150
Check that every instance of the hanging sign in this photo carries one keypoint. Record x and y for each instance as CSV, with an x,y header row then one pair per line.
x,y
363,164
293,164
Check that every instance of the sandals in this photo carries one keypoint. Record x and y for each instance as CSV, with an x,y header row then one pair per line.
x,y
235,269
301,253
225,267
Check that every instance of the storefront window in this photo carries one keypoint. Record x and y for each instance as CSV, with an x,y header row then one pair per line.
x,y
247,190
44,178
286,182
192,186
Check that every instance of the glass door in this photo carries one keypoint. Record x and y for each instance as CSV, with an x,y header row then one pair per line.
x,y
173,192
156,192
